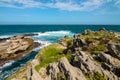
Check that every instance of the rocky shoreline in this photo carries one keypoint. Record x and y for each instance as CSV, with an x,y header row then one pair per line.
x,y
14,47
92,55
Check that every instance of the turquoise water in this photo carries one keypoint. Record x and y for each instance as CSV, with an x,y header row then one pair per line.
x,y
51,34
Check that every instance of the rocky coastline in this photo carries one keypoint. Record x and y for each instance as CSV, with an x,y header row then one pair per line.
x,y
15,47
92,55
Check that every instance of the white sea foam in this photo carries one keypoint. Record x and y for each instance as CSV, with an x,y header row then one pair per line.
x,y
8,64
43,34
54,33
58,32
5,36
44,43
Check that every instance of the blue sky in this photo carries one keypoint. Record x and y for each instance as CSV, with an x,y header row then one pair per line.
x,y
59,11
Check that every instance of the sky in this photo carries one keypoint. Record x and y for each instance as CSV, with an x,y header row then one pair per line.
x,y
60,12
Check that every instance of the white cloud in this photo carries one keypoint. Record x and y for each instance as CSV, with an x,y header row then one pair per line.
x,y
117,3
70,5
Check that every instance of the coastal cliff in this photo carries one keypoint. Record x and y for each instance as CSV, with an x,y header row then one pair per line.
x,y
92,55
15,47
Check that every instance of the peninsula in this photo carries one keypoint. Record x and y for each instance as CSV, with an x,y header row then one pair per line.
x,y
15,47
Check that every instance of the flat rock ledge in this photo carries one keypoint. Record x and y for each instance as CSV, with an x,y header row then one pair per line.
x,y
14,47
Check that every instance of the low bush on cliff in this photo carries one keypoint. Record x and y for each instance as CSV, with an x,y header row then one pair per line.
x,y
50,54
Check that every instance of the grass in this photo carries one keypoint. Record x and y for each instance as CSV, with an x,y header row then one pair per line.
x,y
97,76
21,73
69,41
98,41
98,48
49,54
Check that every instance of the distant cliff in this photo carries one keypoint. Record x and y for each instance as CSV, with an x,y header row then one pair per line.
x,y
92,55
14,47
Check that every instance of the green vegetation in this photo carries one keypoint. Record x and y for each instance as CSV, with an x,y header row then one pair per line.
x,y
97,76
69,41
50,54
97,41
21,73
98,48
61,76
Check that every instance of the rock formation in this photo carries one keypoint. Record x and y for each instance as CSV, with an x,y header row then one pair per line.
x,y
92,56
14,47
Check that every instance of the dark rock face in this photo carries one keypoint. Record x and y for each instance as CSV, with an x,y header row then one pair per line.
x,y
29,35
36,44
3,39
102,29
77,42
114,49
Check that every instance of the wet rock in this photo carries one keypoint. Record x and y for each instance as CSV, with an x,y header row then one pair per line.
x,y
29,35
36,45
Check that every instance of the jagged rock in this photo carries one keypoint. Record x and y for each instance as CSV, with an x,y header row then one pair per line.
x,y
87,32
63,42
86,63
109,75
88,66
53,70
106,66
114,49
109,59
77,42
69,71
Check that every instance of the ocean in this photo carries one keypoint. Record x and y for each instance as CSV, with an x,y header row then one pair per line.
x,y
47,34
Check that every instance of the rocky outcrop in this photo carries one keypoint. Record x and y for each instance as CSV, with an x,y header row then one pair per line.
x,y
109,59
14,47
70,72
114,49
88,66
78,42
58,71
102,29
30,35
92,56
83,65
63,42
